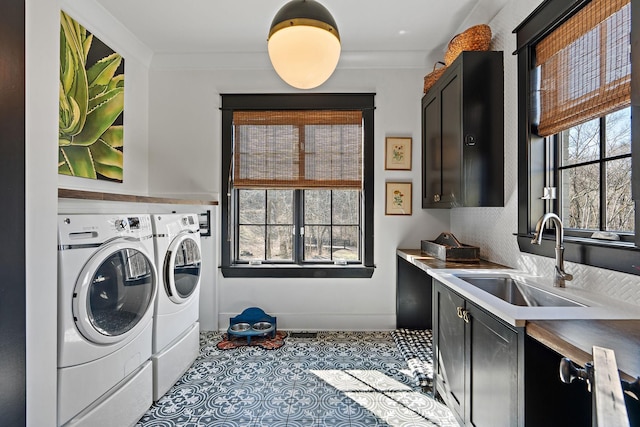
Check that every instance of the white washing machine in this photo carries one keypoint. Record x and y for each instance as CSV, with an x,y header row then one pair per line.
x,y
107,284
175,327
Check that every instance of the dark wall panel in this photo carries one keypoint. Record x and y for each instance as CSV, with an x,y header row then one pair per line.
x,y
12,214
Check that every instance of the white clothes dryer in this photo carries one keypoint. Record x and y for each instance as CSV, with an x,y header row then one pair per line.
x,y
176,331
107,284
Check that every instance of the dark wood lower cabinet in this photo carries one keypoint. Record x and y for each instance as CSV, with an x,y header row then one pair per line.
x,y
493,388
449,348
491,374
550,402
479,361
413,296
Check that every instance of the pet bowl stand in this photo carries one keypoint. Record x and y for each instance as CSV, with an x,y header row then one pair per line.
x,y
252,316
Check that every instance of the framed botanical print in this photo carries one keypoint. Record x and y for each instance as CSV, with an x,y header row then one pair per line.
x,y
398,198
397,153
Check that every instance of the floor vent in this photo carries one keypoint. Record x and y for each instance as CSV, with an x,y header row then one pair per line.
x,y
303,334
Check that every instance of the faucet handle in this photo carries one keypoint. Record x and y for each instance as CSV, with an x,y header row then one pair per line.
x,y
563,274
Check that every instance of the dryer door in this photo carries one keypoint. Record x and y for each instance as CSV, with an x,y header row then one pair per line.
x,y
182,265
115,292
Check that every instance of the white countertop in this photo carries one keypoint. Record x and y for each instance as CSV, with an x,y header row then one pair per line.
x,y
597,307
570,331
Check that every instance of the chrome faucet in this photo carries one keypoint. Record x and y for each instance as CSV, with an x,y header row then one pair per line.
x,y
560,275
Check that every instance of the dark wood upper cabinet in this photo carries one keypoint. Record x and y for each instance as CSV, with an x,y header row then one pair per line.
x,y
463,134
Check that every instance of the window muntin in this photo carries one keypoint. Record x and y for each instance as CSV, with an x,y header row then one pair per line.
x,y
595,175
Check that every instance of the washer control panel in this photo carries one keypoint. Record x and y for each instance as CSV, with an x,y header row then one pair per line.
x,y
188,220
129,223
132,224
90,229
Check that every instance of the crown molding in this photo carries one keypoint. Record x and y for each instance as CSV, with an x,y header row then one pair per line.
x,y
260,60
95,18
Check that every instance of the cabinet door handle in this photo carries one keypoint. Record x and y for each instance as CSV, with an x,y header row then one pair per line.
x,y
465,316
459,310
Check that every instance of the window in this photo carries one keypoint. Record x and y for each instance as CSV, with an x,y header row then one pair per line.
x,y
298,171
576,143
595,176
330,226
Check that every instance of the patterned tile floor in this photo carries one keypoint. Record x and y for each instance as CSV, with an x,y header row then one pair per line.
x,y
342,379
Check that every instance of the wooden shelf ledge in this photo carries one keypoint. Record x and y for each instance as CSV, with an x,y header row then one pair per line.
x,y
64,193
575,339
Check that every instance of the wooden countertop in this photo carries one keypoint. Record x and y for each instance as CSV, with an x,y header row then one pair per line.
x,y
575,338
416,256
114,197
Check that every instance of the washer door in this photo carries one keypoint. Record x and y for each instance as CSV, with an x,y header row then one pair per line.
x,y
182,265
115,291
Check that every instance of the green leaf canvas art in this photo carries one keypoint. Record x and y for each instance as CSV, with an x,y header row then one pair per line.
x,y
90,137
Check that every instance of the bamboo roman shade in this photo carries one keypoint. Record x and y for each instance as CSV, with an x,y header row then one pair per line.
x,y
585,66
297,149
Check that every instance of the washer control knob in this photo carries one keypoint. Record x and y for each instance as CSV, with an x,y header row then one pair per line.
x,y
121,224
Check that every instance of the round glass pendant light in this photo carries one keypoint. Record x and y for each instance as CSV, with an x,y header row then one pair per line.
x,y
304,44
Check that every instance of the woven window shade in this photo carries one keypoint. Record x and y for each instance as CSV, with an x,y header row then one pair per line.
x,y
585,66
297,149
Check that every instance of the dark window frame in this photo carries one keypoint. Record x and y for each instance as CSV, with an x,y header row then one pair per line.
x,y
363,102
534,154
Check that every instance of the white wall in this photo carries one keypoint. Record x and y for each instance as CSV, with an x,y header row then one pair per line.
x,y
492,229
136,98
184,112
42,29
42,180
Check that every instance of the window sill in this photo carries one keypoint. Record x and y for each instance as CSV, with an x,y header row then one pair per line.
x,y
322,272
612,255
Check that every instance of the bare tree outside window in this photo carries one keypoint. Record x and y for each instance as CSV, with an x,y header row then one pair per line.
x,y
332,230
595,170
265,225
331,225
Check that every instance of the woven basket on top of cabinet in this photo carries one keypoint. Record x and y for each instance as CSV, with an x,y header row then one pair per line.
x,y
431,78
477,37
